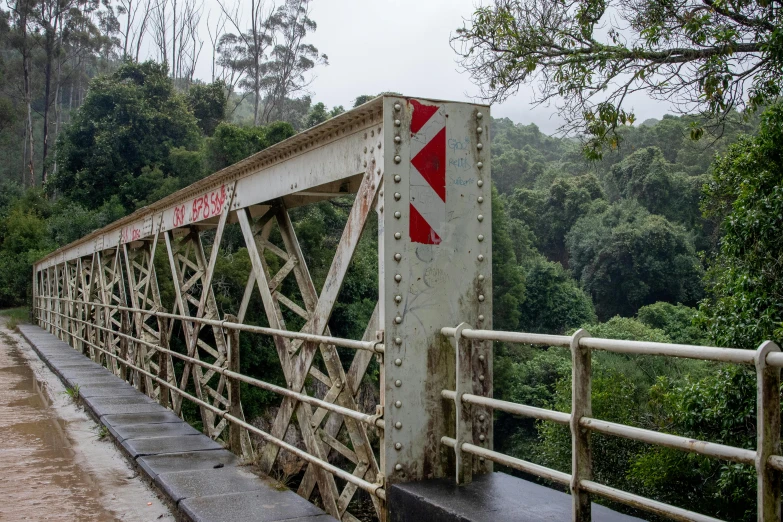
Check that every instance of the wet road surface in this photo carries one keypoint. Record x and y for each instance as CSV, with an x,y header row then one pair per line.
x,y
54,465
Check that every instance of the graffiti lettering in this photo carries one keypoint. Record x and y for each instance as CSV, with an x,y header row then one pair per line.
x,y
208,205
459,163
179,215
459,144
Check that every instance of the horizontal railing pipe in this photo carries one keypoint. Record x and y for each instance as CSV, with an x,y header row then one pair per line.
x,y
511,407
518,464
371,420
708,449
373,489
639,502
372,346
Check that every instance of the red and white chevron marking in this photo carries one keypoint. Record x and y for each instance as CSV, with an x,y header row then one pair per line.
x,y
428,173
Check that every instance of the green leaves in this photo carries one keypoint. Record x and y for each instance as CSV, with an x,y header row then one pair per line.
x,y
713,58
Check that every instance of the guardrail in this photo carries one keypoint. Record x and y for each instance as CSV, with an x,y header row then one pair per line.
x,y
767,459
97,338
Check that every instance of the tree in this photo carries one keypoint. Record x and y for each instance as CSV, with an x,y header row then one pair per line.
x,y
626,258
290,58
231,143
590,55
554,302
208,103
130,120
647,177
745,279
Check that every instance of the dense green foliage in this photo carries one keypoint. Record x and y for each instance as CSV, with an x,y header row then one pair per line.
x,y
589,56
619,247
745,282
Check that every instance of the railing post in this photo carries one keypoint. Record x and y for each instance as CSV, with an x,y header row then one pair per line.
x,y
234,396
464,424
163,361
581,406
768,434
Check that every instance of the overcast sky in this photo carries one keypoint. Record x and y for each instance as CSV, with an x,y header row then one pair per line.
x,y
403,46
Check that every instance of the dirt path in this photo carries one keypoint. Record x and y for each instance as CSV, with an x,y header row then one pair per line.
x,y
54,464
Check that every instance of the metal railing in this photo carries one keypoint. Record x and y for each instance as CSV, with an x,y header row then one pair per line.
x,y
60,324
767,360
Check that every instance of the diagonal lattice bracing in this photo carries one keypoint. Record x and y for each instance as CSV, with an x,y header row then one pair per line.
x,y
145,297
320,362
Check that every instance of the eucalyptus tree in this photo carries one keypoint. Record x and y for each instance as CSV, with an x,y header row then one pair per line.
x,y
589,56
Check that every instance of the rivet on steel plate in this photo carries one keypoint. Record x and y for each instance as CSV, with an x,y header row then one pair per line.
x,y
398,340
398,467
397,106
365,148
481,198
397,256
479,130
480,217
481,277
479,115
379,145
397,446
480,237
397,178
372,133
397,159
397,196
398,278
372,149
398,383
398,404
482,417
397,139
290,384
482,438
397,123
481,378
479,145
481,459
398,319
397,215
397,298
398,425
481,297
481,358
481,317
479,164
397,362
365,163
397,235
481,257
480,183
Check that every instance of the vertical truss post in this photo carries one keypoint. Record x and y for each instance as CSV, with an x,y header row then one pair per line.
x,y
435,262
163,370
581,406
768,434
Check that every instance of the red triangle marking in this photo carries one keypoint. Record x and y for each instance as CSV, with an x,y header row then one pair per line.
x,y
431,163
421,231
421,115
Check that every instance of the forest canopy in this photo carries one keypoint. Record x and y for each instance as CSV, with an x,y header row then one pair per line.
x,y
656,237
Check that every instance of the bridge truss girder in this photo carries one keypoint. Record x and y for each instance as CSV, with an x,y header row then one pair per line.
x,y
423,285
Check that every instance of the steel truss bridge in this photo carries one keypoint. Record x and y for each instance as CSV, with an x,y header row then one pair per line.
x,y
423,167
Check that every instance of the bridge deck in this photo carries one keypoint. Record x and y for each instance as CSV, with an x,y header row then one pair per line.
x,y
201,478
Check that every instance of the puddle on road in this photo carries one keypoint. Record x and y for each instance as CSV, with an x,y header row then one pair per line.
x,y
39,478
53,465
